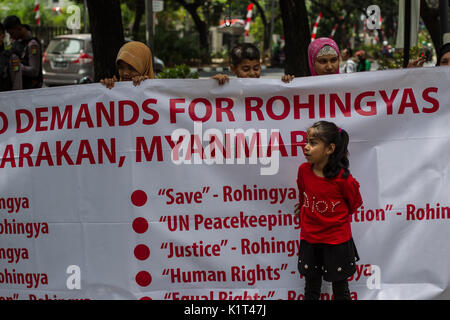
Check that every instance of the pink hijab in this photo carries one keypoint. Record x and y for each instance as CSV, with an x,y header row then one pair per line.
x,y
315,47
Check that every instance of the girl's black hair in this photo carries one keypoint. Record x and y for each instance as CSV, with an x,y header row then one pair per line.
x,y
244,51
443,50
329,133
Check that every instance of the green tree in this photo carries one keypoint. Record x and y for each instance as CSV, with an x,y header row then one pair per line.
x,y
262,21
297,36
24,10
346,14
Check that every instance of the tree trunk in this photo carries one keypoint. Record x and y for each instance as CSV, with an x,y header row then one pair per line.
x,y
105,18
201,25
140,10
297,36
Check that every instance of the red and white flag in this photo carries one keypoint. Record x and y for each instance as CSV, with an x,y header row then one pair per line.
x,y
58,10
314,33
333,32
249,18
37,10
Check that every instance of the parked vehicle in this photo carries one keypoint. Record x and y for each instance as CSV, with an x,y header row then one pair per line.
x,y
69,59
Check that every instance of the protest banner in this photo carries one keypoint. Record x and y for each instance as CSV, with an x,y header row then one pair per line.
x,y
185,190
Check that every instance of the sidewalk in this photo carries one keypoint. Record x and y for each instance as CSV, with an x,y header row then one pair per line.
x,y
215,69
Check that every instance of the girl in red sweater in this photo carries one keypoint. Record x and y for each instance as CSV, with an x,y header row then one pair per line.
x,y
328,196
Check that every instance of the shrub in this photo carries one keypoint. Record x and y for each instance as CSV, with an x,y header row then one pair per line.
x,y
178,72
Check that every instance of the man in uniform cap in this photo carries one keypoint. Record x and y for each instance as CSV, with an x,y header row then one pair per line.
x,y
28,50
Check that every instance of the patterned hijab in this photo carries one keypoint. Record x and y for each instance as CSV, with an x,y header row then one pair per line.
x,y
314,49
139,56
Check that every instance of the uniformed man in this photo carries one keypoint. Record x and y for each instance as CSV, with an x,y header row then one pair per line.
x,y
29,51
10,73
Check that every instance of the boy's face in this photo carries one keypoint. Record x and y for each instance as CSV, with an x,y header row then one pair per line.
x,y
247,69
345,55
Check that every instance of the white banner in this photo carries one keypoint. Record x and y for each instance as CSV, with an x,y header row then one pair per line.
x,y
125,194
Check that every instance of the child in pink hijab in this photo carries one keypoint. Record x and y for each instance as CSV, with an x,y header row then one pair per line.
x,y
323,58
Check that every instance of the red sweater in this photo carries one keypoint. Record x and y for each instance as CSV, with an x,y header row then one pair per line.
x,y
326,206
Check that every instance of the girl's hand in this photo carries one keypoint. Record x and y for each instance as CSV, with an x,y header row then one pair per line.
x,y
138,79
287,78
221,78
109,82
297,210
418,63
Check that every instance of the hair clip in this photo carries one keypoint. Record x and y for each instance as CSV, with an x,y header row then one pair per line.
x,y
340,130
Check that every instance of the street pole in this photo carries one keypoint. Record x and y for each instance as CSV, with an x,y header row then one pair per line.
x,y
85,17
407,35
149,23
443,8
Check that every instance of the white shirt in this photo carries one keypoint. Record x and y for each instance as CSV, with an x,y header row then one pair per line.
x,y
349,66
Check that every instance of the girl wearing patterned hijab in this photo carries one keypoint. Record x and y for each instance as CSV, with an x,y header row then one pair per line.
x,y
323,58
443,58
134,63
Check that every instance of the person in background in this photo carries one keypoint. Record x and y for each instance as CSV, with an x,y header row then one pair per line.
x,y
134,62
278,54
10,73
29,51
386,51
364,63
28,27
349,64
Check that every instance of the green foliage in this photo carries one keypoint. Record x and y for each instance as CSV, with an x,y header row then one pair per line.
x,y
24,10
174,48
351,11
127,16
373,51
178,72
397,61
224,54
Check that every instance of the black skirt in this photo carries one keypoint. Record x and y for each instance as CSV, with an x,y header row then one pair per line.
x,y
335,262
